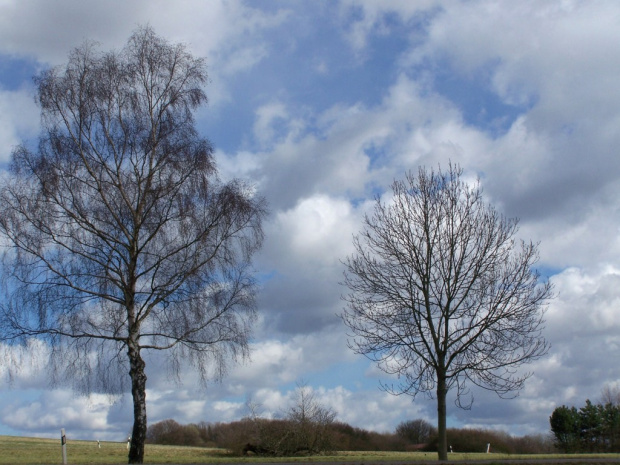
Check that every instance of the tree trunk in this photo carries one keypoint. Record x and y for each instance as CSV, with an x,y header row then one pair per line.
x,y
442,441
138,392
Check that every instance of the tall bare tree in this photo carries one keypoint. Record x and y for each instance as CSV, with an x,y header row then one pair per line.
x,y
121,239
440,294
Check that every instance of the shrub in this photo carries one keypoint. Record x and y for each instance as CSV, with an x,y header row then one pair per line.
x,y
475,440
172,433
234,436
285,437
416,431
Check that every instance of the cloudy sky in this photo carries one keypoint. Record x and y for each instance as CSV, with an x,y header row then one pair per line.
x,y
322,104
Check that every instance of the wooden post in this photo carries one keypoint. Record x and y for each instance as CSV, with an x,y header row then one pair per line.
x,y
63,443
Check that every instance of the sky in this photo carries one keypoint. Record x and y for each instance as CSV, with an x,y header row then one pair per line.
x,y
322,105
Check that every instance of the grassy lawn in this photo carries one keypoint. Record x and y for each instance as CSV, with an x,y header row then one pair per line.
x,y
19,450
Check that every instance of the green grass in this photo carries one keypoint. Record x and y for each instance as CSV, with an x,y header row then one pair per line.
x,y
19,450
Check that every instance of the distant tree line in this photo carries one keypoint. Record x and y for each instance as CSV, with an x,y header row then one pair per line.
x,y
591,428
264,434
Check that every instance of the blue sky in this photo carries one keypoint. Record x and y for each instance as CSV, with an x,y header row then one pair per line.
x,y
322,104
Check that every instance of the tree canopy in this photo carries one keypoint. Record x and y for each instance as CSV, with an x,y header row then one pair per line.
x,y
441,294
120,236
591,428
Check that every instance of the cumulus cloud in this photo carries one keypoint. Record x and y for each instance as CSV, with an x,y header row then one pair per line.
x,y
19,119
365,18
547,156
277,363
582,326
48,32
229,34
552,60
351,150
24,367
304,247
52,410
364,409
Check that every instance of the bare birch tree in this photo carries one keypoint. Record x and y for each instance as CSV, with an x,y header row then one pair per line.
x,y
440,293
121,239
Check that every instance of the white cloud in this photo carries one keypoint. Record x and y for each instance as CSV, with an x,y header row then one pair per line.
x,y
24,367
553,59
587,304
227,33
278,362
350,150
363,409
19,119
582,325
317,232
305,245
553,164
240,165
376,411
57,409
367,17
273,363
244,59
267,117
48,31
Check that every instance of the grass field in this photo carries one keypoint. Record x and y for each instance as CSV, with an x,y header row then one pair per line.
x,y
19,450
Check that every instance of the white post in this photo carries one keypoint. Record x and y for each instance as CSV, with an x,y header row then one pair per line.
x,y
488,447
63,443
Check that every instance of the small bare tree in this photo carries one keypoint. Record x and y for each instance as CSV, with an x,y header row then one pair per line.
x,y
310,422
610,394
304,429
441,295
120,237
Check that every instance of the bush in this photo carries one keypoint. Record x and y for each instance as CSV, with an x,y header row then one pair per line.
x,y
305,429
347,437
172,433
234,436
416,432
474,440
285,437
534,444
